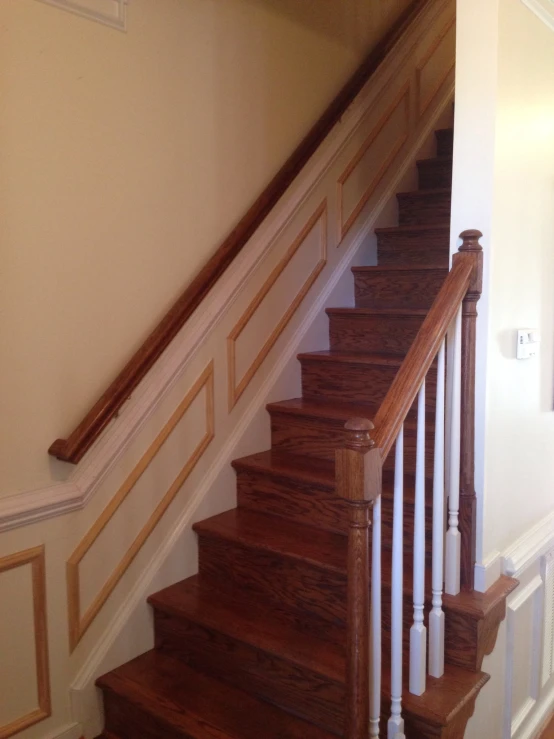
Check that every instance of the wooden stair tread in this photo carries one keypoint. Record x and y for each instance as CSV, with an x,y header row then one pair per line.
x,y
479,605
320,472
400,268
444,696
373,358
415,228
425,193
339,411
248,620
321,548
200,707
356,311
438,159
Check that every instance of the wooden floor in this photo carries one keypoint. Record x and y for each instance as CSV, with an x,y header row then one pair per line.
x,y
548,733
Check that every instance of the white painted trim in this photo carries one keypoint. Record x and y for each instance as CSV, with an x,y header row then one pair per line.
x,y
70,731
542,711
111,13
512,725
84,680
529,547
543,9
58,499
488,572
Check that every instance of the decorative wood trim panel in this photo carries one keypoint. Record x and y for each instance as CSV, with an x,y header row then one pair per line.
x,y
34,557
423,104
78,624
236,389
403,97
111,13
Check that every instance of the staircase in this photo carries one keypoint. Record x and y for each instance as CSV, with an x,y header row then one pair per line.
x,y
254,646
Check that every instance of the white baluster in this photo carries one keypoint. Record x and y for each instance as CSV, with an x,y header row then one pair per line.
x,y
436,617
396,722
453,539
418,632
375,698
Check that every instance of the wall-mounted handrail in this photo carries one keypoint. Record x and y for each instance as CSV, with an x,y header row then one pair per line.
x,y
73,448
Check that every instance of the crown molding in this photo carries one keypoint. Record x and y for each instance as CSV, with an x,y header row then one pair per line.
x,y
543,9
111,13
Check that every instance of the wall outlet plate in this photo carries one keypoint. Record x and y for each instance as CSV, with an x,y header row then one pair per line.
x,y
528,340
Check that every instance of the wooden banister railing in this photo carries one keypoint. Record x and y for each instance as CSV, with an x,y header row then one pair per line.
x,y
451,318
108,405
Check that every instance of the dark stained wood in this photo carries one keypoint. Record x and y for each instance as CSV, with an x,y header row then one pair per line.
x,y
156,696
422,207
106,408
435,173
397,286
445,142
414,245
359,480
390,330
422,353
471,250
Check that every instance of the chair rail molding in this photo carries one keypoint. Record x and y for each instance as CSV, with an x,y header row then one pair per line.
x,y
111,13
543,9
529,547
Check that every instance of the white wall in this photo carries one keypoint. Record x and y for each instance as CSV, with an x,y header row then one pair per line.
x,y
504,185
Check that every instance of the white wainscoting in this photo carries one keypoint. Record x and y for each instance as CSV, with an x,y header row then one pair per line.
x,y
544,9
520,695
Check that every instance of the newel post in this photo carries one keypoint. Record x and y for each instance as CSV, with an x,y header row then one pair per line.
x,y
358,477
470,249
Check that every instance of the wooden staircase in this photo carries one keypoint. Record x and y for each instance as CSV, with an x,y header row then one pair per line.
x,y
254,646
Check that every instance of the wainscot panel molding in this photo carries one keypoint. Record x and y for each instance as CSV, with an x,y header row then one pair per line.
x,y
61,498
317,221
528,686
109,12
35,558
543,9
78,624
430,73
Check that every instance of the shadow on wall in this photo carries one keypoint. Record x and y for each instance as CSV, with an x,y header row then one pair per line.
x,y
349,28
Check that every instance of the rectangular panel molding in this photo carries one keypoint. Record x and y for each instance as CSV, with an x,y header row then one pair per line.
x,y
35,558
237,389
431,63
109,12
78,624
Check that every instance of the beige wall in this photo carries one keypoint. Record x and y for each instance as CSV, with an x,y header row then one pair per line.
x,y
125,159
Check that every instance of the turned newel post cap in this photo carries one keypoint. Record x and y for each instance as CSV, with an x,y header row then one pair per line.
x,y
470,239
358,433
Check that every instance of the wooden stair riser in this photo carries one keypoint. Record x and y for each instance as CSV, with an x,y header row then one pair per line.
x,y
445,142
425,207
380,333
129,720
349,382
289,685
320,438
396,247
435,173
296,587
397,288
312,506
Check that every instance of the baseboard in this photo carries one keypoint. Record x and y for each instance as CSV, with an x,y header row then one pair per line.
x,y
542,711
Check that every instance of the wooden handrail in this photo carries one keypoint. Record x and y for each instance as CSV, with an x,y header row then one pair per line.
x,y
466,270
106,408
